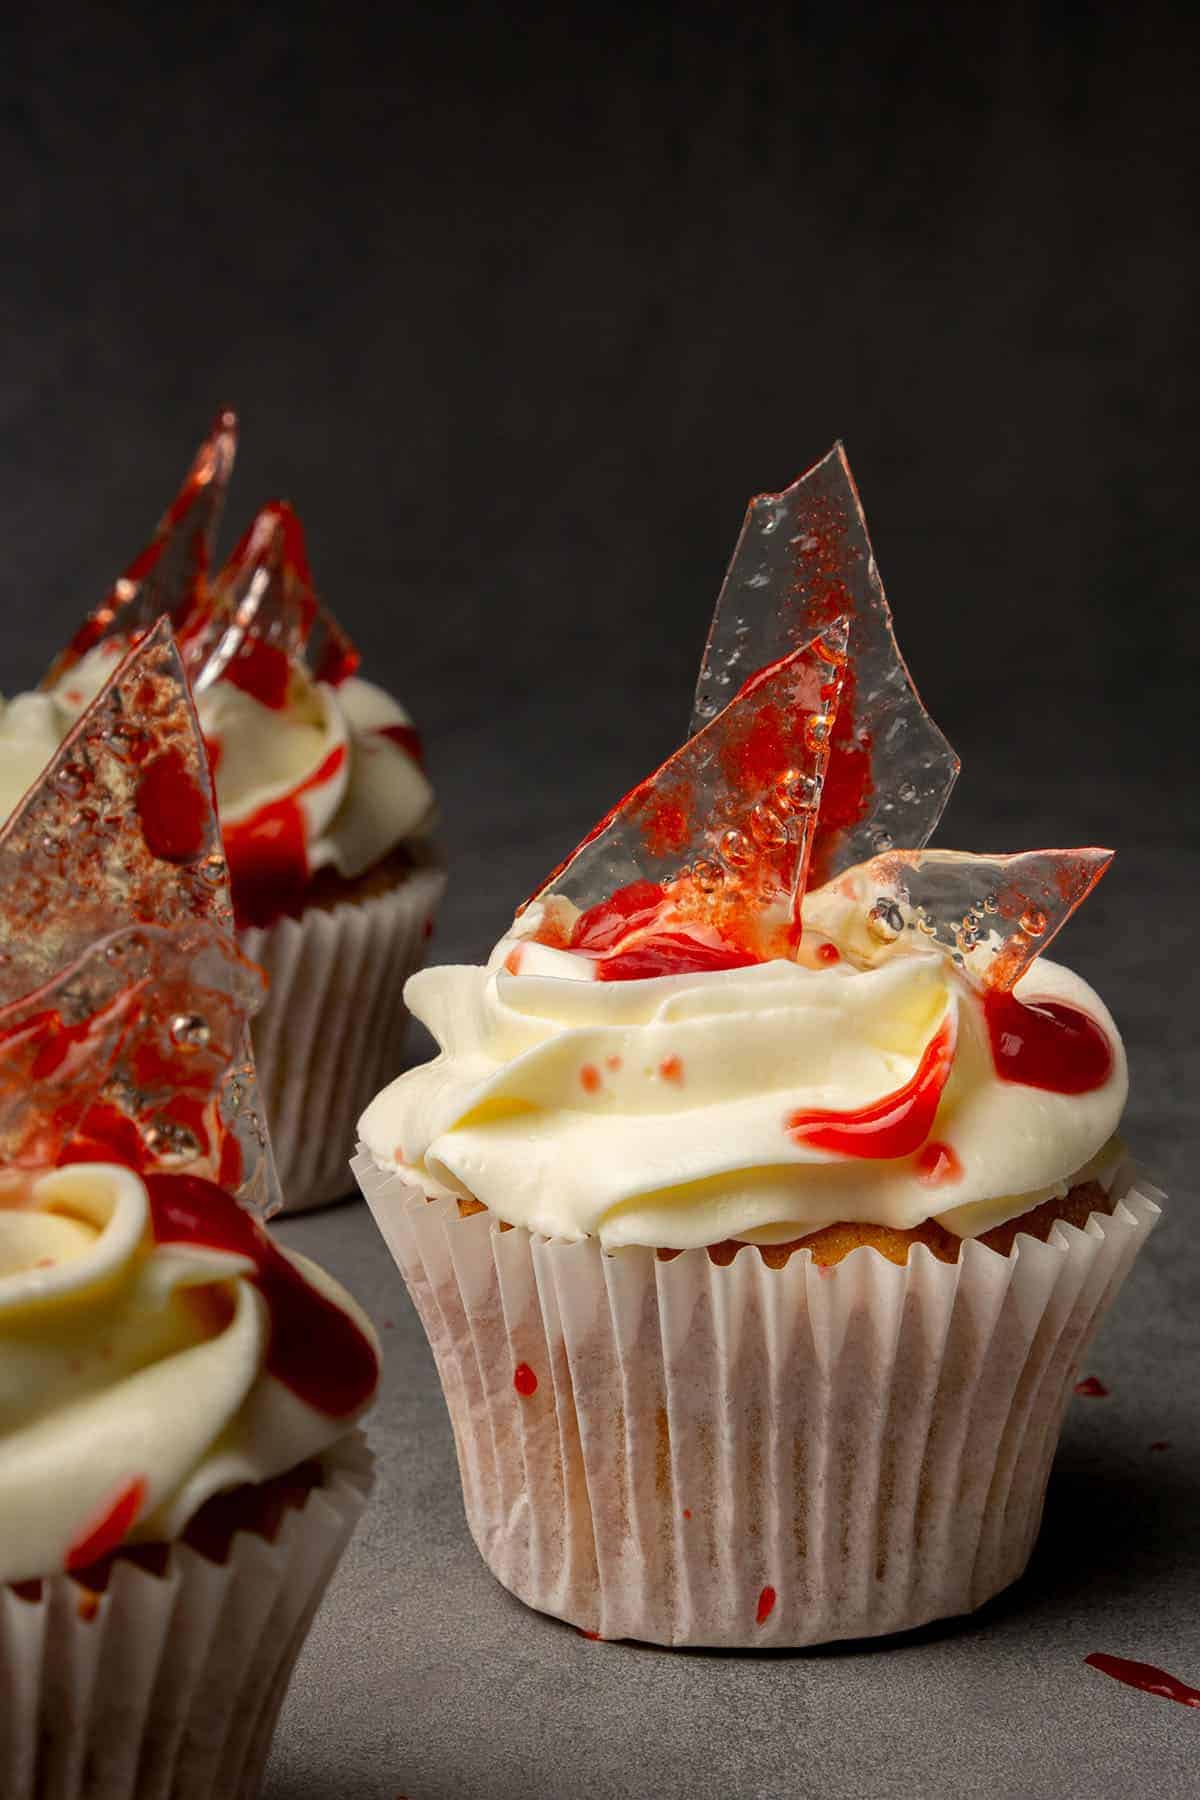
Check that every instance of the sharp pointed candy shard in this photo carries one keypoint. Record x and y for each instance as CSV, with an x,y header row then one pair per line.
x,y
804,558
992,915
265,616
120,835
121,827
724,828
170,575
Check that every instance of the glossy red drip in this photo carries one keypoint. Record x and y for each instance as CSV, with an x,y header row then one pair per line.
x,y
316,1349
172,809
895,1126
109,1531
1046,1044
670,953
630,909
524,1380
1145,1677
766,1605
406,738
1092,1388
268,854
937,1164
261,670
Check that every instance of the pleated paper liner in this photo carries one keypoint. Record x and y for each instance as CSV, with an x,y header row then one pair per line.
x,y
331,1033
745,1456
167,1685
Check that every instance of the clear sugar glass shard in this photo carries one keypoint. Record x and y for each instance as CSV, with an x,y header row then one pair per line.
x,y
991,914
121,832
725,826
170,575
803,559
265,615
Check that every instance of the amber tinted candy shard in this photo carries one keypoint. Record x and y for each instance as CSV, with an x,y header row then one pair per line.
x,y
992,915
170,574
120,836
803,558
725,825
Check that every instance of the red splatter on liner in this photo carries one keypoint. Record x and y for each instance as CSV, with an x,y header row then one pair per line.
x,y
766,1605
524,1380
1092,1388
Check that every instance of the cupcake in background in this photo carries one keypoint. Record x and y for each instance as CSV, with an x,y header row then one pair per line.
x,y
181,1466
766,1191
326,812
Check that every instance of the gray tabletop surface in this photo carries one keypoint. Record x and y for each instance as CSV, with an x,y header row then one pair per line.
x,y
424,1678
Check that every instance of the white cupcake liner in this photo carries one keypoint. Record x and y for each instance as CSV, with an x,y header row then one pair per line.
x,y
331,1032
746,1456
167,1687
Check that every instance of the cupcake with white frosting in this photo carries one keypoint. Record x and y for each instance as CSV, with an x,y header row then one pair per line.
x,y
325,808
179,1397
767,1187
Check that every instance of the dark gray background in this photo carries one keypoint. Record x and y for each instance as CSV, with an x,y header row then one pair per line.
x,y
519,313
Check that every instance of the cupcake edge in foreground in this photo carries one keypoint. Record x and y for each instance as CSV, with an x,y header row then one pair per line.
x,y
645,1080
166,1574
327,815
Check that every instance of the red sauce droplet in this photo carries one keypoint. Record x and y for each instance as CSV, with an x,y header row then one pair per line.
x,y
1145,1677
512,961
828,953
937,1164
316,1349
613,1063
671,1069
261,670
1046,1044
895,1126
172,810
268,854
590,1079
593,1636
766,1606
109,1531
687,1512
524,1380
1092,1388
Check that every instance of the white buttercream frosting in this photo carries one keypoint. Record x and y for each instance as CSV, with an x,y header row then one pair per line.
x,y
357,806
657,1111
126,1360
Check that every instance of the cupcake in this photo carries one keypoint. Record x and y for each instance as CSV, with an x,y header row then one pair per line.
x,y
179,1397
767,1188
326,812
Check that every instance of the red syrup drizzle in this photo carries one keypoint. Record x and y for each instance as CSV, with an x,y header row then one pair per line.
x,y
1145,1677
268,854
895,1126
1046,1044
601,930
109,1531
315,1349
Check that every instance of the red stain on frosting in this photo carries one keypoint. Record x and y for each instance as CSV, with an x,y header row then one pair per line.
x,y
671,1069
590,1079
109,1531
1046,1044
937,1164
895,1126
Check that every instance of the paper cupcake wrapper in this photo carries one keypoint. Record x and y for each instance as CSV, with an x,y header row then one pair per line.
x,y
167,1687
746,1456
331,1033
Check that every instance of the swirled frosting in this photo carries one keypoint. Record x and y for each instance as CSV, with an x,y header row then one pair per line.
x,y
155,1348
328,778
758,1102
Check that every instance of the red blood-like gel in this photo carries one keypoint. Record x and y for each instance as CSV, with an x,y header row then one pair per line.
x,y
1092,1388
766,1606
109,1532
261,670
1046,1044
1145,1677
937,1164
316,1349
268,854
524,1380
895,1126
172,810
407,737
